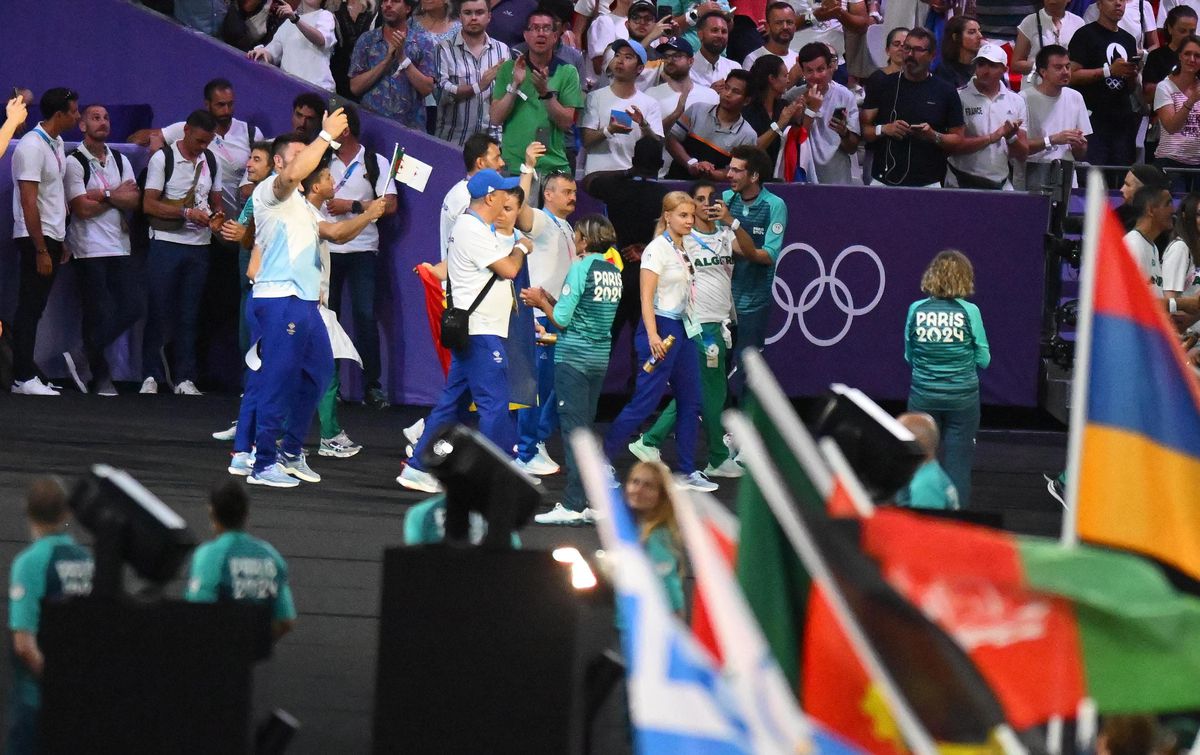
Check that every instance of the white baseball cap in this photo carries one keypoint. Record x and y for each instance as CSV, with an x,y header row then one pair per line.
x,y
992,53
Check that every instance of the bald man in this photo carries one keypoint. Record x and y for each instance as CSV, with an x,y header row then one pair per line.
x,y
930,487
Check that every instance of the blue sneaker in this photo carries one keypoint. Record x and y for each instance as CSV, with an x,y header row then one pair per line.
x,y
242,464
297,466
273,476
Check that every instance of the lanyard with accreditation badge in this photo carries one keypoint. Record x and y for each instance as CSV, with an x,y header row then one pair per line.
x,y
50,143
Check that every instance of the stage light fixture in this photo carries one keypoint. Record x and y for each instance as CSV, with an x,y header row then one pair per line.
x,y
879,449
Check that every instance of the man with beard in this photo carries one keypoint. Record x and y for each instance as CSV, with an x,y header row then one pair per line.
x,y
711,68
781,28
678,91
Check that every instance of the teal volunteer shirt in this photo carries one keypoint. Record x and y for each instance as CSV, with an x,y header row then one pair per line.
x,y
765,219
946,345
238,566
586,309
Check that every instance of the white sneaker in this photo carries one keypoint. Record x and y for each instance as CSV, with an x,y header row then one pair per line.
x,y
696,481
149,385
644,452
414,479
727,468
544,458
187,388
33,387
536,466
589,515
414,431
226,434
559,515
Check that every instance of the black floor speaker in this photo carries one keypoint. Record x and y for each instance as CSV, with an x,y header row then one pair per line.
x,y
477,651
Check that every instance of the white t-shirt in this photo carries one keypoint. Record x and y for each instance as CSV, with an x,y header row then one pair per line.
x,y
605,30
707,74
1071,23
177,188
789,58
591,8
553,251
1131,21
232,152
668,98
1165,6
473,246
294,54
358,186
615,151
104,235
712,257
1146,255
457,200
1178,272
287,232
1049,115
40,158
674,282
833,165
983,115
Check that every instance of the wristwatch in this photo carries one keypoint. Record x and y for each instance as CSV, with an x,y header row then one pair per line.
x,y
107,195
294,18
736,224
1046,142
549,93
356,207
526,169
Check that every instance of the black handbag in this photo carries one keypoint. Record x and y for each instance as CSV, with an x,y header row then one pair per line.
x,y
456,322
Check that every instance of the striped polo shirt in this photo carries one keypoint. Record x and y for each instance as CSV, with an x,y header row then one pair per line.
x,y
456,64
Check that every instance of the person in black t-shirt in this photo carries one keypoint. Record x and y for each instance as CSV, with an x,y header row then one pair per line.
x,y
961,41
1104,68
912,120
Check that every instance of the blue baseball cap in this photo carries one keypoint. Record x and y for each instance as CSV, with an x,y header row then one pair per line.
x,y
679,44
637,48
487,180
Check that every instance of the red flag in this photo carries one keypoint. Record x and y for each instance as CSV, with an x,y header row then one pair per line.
x,y
435,304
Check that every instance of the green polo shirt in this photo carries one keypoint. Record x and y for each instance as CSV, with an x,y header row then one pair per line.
x,y
238,566
529,114
765,219
586,309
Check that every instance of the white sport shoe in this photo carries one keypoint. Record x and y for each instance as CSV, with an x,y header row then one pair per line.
x,y
727,468
696,481
644,452
33,387
187,388
544,458
559,515
414,479
413,432
149,385
536,466
226,434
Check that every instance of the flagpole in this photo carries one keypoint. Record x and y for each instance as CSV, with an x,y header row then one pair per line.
x,y
1093,219
778,498
841,468
800,442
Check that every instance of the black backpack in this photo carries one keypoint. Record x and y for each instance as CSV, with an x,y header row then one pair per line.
x,y
77,153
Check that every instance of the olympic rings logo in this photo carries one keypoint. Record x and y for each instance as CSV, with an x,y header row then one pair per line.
x,y
815,289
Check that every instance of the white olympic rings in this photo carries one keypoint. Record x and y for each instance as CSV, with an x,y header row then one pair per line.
x,y
815,289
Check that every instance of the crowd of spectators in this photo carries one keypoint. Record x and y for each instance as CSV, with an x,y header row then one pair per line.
x,y
942,99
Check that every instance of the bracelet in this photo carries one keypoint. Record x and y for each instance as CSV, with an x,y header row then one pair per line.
x,y
736,224
329,138
877,16
1010,139
183,211
475,88
775,127
526,169
1046,142
294,18
407,62
692,16
693,161
1172,305
811,113
1107,70
937,137
43,251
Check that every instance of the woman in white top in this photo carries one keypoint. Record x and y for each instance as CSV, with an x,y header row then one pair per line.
x,y
668,298
1175,105
1053,25
303,44
1180,268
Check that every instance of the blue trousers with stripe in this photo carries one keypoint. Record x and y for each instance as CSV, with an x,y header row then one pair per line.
x,y
537,423
681,370
479,373
297,364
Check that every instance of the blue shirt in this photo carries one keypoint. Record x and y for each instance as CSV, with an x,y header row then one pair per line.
x,y
287,232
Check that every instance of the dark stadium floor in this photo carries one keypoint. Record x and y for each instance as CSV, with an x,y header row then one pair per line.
x,y
333,534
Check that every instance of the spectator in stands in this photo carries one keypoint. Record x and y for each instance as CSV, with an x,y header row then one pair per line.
x,y
1057,124
678,91
1136,19
54,567
617,116
15,113
946,345
352,19
711,68
308,110
383,74
39,226
182,198
1052,25
1177,105
930,486
356,262
467,65
668,292
912,119
830,116
236,566
702,140
687,17
765,217
247,23
304,46
628,21
535,97
894,48
1181,260
961,41
994,116
827,22
1155,210
99,187
569,52
1135,178
430,25
202,15
781,28
766,112
1104,72
1162,61
510,19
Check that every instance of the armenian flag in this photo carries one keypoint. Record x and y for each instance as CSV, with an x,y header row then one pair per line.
x,y
1134,454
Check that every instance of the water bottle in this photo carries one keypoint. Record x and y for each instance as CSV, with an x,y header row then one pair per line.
x,y
653,361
